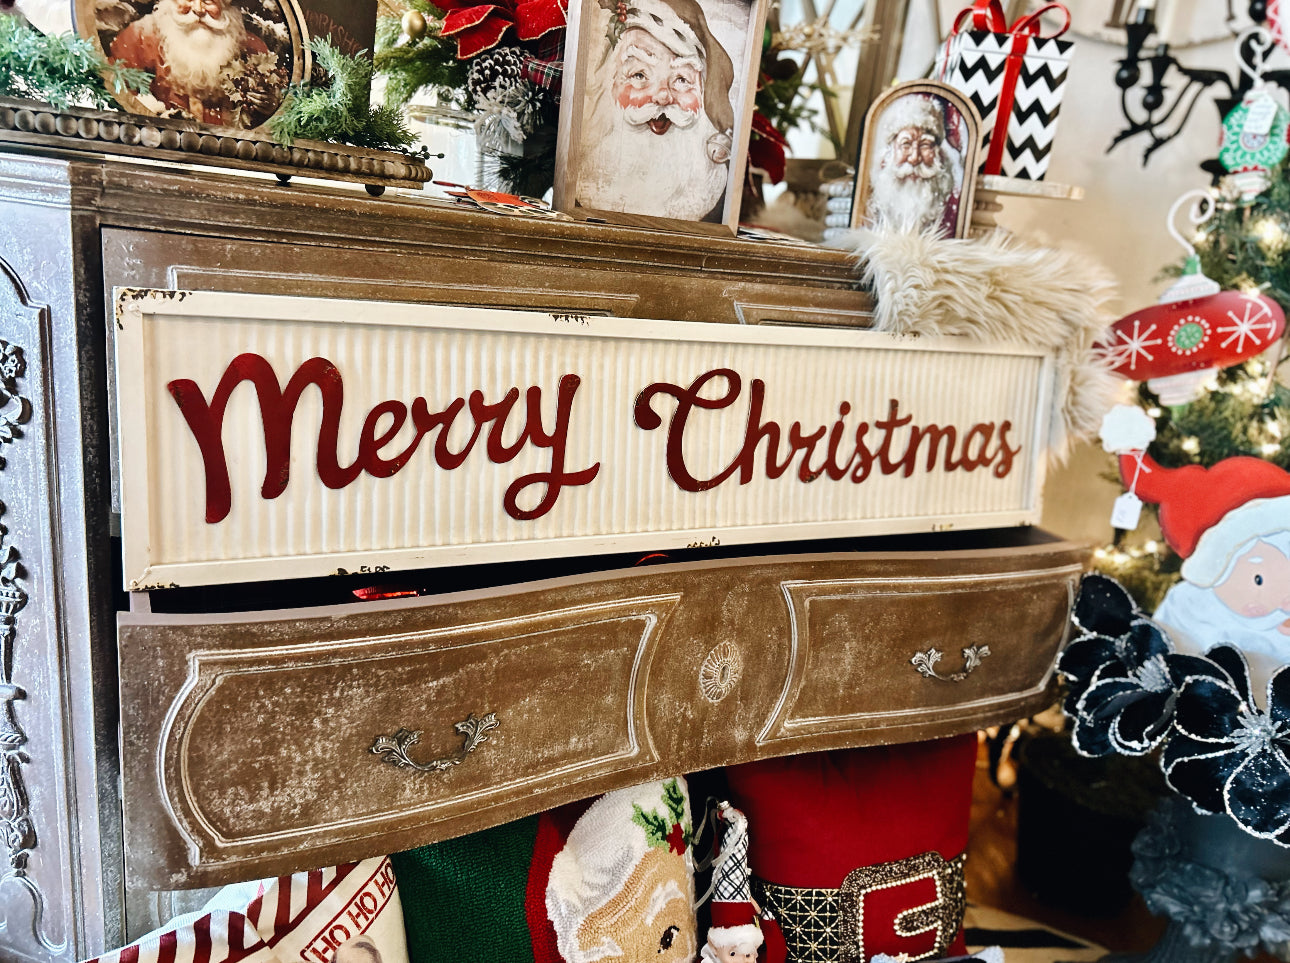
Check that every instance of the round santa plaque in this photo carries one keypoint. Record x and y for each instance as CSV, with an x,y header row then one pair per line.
x,y
227,63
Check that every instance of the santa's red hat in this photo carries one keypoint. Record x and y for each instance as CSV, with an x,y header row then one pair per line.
x,y
858,852
734,923
1208,514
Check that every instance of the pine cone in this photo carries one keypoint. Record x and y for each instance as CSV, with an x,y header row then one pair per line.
x,y
498,69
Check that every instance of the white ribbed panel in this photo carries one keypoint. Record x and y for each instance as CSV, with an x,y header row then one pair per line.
x,y
424,515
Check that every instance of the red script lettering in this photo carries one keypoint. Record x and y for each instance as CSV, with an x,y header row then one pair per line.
x,y
277,411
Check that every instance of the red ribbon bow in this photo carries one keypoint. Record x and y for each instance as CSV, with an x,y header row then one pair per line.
x,y
480,27
988,15
767,149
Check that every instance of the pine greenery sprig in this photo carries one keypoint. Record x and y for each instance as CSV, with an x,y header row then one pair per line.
x,y
430,62
63,71
531,174
783,100
340,110
659,828
1247,412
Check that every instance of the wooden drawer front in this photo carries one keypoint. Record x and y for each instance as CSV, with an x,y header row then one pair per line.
x,y
248,740
267,749
887,648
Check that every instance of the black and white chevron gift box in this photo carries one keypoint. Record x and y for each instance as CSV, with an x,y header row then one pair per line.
x,y
1015,78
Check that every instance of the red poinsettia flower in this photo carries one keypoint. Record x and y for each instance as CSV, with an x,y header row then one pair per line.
x,y
676,839
536,18
767,148
480,27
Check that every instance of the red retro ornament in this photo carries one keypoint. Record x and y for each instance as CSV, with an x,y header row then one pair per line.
x,y
1194,330
1275,22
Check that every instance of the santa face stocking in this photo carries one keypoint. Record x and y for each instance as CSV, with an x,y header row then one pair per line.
x,y
603,879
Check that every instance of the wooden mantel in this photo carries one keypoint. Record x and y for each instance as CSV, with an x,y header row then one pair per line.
x,y
829,639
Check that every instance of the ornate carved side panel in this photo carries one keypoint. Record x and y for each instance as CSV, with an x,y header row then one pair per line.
x,y
57,784
27,875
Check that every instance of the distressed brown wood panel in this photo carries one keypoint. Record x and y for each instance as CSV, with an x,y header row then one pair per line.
x,y
846,633
246,738
266,746
164,228
562,278
581,663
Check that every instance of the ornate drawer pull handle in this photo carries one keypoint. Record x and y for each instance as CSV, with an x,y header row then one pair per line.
x,y
925,663
394,749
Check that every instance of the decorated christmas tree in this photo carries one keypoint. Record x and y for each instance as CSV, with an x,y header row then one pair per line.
x,y
1190,668
1239,410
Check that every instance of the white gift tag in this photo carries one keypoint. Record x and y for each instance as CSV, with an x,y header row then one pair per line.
x,y
1263,111
1127,512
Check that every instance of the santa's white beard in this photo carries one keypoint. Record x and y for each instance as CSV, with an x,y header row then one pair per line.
x,y
197,52
906,198
1197,620
629,168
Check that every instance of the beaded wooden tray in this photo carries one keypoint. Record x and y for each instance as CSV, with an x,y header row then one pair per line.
x,y
25,122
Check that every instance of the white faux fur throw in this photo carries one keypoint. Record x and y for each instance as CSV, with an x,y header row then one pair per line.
x,y
1001,288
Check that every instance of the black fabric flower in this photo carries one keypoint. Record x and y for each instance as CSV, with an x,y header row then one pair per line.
x,y
1121,673
1228,755
1129,703
1104,613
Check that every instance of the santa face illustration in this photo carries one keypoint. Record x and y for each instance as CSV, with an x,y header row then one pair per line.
x,y
1247,606
1258,585
622,888
914,180
658,132
654,87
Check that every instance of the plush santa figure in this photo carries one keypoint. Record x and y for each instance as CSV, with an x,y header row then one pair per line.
x,y
735,935
1231,525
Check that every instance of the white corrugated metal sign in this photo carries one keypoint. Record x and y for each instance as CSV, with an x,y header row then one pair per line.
x,y
277,437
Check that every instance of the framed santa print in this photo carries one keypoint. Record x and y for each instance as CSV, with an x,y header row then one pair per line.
x,y
227,63
917,158
657,110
